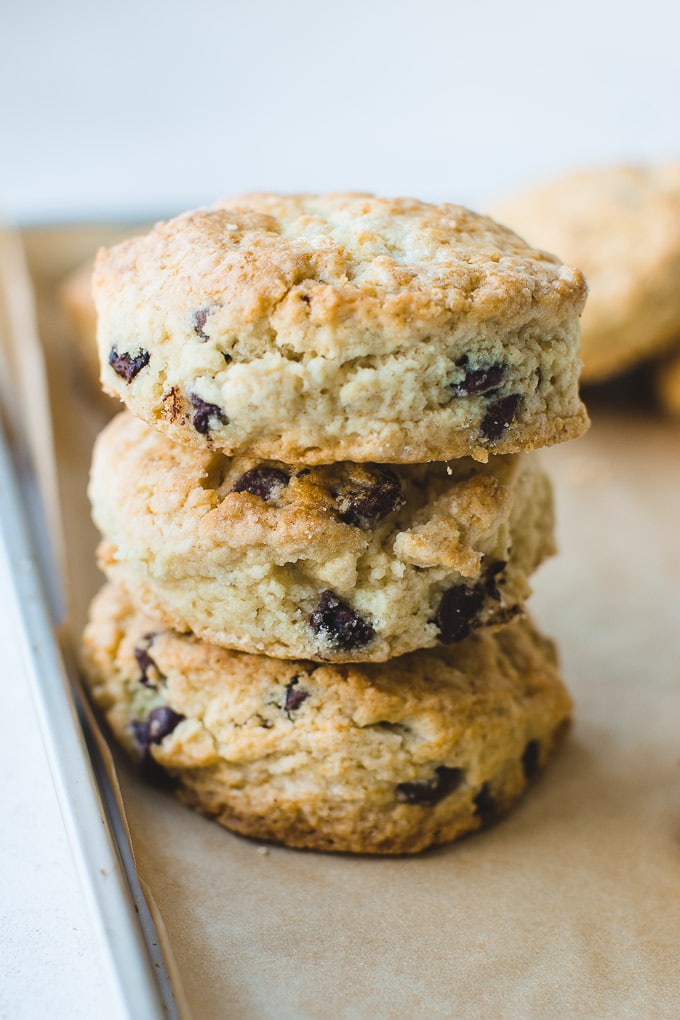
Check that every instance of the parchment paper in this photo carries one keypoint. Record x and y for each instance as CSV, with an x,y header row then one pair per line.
x,y
571,905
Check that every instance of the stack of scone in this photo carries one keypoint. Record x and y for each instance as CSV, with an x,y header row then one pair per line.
x,y
320,526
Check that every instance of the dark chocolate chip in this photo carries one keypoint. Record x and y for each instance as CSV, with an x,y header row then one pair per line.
x,y
444,782
485,805
366,495
149,768
204,413
478,380
198,321
306,298
126,365
531,759
263,481
162,721
339,624
145,663
457,610
295,695
498,415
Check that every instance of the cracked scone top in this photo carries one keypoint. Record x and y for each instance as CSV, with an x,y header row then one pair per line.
x,y
314,329
368,758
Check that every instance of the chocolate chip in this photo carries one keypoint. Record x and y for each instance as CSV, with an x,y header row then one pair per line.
x,y
478,380
485,805
263,481
339,624
457,610
149,768
198,321
204,413
295,695
161,722
306,298
444,782
531,759
145,663
366,495
498,415
126,365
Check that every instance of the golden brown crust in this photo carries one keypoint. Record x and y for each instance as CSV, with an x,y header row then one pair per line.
x,y
371,270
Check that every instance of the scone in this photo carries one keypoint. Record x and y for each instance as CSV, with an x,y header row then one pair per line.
x,y
313,330
621,226
343,562
386,758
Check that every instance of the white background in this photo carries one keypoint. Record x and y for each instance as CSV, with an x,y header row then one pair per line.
x,y
139,108
143,109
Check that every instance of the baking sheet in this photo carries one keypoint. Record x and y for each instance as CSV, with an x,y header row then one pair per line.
x,y
571,905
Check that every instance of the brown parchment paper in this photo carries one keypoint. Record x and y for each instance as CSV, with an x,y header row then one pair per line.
x,y
570,906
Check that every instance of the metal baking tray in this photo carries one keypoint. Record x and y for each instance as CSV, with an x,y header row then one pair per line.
x,y
30,530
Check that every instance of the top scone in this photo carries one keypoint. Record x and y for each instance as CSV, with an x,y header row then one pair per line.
x,y
342,327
